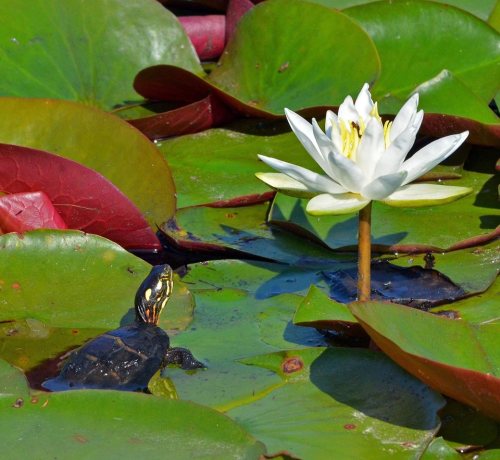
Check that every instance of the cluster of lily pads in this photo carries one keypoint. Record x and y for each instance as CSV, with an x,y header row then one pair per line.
x,y
119,146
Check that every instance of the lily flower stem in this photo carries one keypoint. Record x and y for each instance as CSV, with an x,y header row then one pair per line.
x,y
364,253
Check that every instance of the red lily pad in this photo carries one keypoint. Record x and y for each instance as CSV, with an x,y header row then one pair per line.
x,y
20,212
85,199
99,141
207,34
235,11
454,357
189,119
257,78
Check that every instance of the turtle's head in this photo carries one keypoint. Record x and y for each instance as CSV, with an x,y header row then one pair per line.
x,y
153,294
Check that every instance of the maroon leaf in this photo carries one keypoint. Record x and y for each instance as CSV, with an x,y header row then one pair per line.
x,y
235,10
439,125
207,34
189,119
173,84
21,212
85,200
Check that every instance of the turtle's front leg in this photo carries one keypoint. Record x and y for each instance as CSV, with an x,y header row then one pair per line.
x,y
183,358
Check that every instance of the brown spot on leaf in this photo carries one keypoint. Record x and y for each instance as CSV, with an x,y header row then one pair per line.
x,y
75,331
16,285
283,67
34,400
408,444
350,426
80,438
292,364
18,403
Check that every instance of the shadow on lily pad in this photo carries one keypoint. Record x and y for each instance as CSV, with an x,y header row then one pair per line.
x,y
414,286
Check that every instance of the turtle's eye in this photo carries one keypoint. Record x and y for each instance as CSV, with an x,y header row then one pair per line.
x,y
154,293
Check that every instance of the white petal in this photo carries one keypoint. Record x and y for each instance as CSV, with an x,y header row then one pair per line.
x,y
286,185
392,159
345,172
303,130
405,114
340,168
414,195
326,204
331,121
364,103
313,181
431,155
371,147
347,111
383,186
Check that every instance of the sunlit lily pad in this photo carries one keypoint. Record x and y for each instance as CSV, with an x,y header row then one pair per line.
x,y
76,280
466,363
257,78
439,37
341,403
91,54
475,218
97,140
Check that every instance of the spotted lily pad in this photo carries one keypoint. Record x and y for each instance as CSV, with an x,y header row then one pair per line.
x,y
341,403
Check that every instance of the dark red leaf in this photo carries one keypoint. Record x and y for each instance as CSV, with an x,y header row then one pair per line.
x,y
173,84
235,10
189,119
21,212
438,125
207,34
85,200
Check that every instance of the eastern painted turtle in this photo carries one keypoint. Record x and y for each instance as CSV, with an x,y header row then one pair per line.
x,y
127,358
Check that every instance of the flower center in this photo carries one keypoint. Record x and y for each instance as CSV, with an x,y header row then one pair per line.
x,y
351,133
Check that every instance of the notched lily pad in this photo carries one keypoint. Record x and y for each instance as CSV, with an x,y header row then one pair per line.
x,y
257,78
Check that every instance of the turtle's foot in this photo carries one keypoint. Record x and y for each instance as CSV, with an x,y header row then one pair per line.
x,y
183,358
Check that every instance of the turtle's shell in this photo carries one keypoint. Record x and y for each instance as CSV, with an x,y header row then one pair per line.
x,y
122,359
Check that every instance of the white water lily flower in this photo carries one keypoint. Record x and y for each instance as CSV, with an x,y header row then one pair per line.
x,y
364,159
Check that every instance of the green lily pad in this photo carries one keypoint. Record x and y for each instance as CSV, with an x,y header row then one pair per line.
x,y
481,308
463,427
92,424
475,219
465,364
89,54
230,324
256,77
243,229
81,133
76,280
230,170
341,403
439,38
12,381
439,449
480,9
